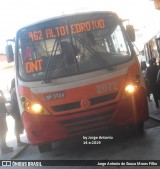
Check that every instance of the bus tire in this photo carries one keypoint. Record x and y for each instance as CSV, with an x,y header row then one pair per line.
x,y
140,128
45,147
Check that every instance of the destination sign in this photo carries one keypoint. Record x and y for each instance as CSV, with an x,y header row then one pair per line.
x,y
34,66
64,30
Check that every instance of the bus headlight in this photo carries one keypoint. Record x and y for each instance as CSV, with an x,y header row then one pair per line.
x,y
130,88
36,108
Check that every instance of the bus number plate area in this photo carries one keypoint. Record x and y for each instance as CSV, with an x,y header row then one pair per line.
x,y
107,87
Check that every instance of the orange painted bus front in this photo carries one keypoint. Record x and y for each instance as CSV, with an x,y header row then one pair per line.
x,y
86,108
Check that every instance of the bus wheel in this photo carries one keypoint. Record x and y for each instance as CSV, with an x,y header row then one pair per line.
x,y
140,128
45,147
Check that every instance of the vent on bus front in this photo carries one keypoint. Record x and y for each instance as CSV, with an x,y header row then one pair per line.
x,y
88,120
76,105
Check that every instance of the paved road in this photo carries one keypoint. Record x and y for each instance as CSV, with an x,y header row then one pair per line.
x,y
128,147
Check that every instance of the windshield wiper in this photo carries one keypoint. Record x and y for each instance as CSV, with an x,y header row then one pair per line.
x,y
51,61
101,59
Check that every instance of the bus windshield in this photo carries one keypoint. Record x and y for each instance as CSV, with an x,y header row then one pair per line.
x,y
71,45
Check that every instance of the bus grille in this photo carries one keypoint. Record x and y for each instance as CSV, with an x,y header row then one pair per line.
x,y
76,105
90,120
86,120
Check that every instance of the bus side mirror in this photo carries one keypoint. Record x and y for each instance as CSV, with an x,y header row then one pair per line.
x,y
9,53
131,32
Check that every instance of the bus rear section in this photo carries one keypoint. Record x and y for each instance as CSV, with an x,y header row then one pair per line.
x,y
77,74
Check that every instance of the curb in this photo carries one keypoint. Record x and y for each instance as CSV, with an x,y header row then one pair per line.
x,y
18,152
154,118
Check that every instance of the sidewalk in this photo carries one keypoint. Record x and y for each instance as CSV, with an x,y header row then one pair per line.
x,y
153,111
16,149
11,141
